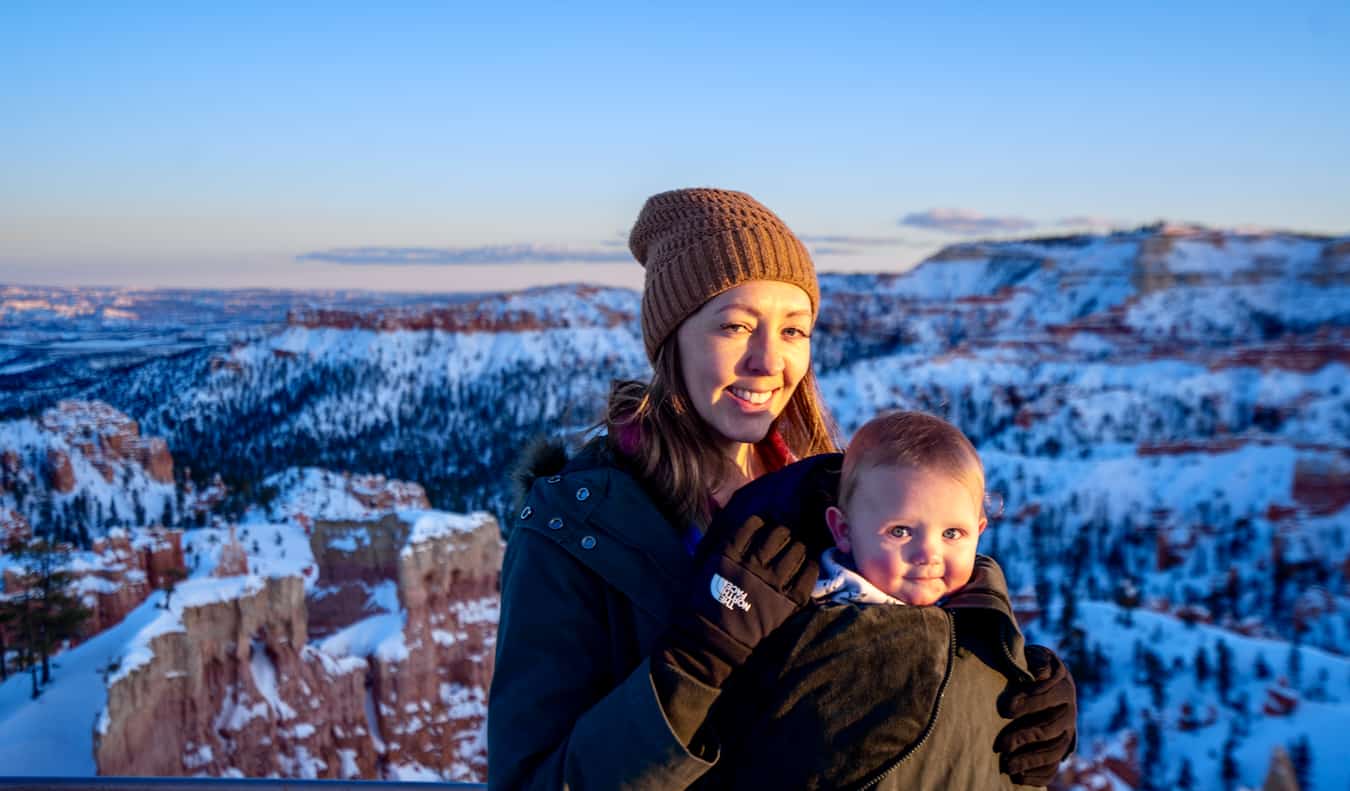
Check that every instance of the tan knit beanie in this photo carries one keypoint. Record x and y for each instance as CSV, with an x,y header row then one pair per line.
x,y
697,243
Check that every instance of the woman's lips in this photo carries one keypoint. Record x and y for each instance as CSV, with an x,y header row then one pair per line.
x,y
757,401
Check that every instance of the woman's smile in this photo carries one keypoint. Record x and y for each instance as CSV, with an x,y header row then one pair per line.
x,y
752,400
742,355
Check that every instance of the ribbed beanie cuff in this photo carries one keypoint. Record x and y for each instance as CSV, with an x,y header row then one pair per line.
x,y
697,243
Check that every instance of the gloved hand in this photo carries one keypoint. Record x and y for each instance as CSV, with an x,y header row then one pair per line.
x,y
754,576
1044,716
795,497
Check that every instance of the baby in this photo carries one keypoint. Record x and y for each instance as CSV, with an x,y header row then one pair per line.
x,y
847,693
910,514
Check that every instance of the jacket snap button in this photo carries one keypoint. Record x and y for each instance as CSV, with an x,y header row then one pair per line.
x,y
526,512
583,493
555,523
554,478
588,542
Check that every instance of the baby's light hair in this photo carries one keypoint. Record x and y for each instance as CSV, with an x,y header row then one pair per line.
x,y
912,439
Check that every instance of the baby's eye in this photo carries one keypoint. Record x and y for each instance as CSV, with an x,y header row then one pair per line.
x,y
953,533
900,531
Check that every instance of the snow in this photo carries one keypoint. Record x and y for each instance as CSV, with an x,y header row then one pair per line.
x,y
347,543
188,594
373,722
431,525
282,550
264,674
70,708
317,493
77,431
1324,723
349,769
1082,368
379,635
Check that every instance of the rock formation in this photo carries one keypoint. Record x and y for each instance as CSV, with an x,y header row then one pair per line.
x,y
227,682
233,686
108,439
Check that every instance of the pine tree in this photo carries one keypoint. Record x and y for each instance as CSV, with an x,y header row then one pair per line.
x,y
1201,665
1300,755
1228,765
1121,716
8,614
1150,757
50,614
1186,779
1223,669
1295,662
169,583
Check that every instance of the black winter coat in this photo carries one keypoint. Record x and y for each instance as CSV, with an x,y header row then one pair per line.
x,y
874,695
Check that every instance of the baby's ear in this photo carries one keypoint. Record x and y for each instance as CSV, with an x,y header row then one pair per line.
x,y
983,524
838,524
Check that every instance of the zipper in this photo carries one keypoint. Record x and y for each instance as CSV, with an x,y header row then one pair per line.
x,y
1007,653
937,710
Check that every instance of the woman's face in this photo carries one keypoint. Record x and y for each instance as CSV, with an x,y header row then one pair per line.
x,y
743,354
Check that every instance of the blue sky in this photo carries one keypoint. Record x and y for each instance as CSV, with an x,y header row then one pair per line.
x,y
254,146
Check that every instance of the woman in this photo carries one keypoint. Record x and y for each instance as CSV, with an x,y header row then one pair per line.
x,y
613,643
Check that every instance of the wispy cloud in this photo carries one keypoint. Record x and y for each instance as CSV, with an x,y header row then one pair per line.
x,y
489,254
1090,223
861,241
822,252
964,221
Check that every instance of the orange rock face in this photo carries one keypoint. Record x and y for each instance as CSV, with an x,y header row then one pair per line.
x,y
130,569
433,704
240,688
13,527
107,438
60,475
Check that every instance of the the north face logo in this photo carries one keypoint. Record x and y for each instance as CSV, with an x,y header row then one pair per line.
x,y
728,594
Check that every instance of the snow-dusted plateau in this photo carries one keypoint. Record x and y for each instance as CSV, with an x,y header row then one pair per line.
x,y
283,508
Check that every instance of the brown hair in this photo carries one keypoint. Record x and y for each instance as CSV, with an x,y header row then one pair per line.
x,y
678,455
912,439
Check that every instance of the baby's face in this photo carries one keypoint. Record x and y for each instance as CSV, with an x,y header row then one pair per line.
x,y
911,532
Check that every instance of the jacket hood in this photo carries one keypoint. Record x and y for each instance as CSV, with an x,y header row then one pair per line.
x,y
544,456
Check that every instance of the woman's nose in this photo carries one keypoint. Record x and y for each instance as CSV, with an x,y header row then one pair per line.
x,y
765,355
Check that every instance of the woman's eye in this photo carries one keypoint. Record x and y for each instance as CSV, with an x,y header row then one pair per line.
x,y
900,531
797,332
953,533
735,327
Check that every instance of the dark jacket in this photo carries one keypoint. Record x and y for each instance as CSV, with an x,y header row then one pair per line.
x,y
591,573
868,695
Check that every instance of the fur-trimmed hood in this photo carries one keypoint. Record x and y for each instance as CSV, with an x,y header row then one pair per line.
x,y
542,457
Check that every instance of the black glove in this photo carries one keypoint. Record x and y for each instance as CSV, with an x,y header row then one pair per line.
x,y
795,496
1043,730
754,576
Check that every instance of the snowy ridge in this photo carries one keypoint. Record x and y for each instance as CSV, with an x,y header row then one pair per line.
x,y
315,493
82,468
431,525
189,594
1164,413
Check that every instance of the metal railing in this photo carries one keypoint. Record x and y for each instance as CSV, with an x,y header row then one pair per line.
x,y
214,784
